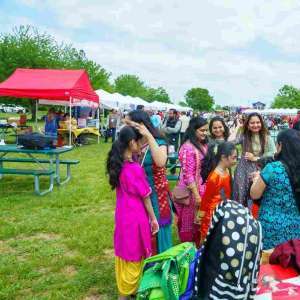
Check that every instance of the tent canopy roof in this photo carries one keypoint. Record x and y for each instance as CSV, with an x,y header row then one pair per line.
x,y
49,84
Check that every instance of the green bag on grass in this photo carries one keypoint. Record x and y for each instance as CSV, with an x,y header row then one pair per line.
x,y
166,274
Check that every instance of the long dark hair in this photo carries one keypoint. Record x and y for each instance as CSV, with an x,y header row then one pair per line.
x,y
140,116
190,134
219,119
263,134
297,126
289,155
213,157
115,158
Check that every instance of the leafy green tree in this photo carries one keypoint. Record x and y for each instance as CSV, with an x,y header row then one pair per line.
x,y
199,99
182,103
26,47
130,85
133,86
218,107
72,58
226,107
287,97
159,94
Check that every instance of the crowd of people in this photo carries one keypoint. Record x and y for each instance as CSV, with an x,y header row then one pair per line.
x,y
221,158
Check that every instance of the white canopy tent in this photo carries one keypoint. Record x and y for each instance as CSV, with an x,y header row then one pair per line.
x,y
124,102
160,105
108,101
140,101
274,111
118,101
66,103
166,106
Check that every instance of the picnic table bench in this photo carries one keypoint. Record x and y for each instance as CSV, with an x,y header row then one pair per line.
x,y
36,174
54,165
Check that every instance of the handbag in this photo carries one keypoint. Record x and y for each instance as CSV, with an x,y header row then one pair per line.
x,y
181,195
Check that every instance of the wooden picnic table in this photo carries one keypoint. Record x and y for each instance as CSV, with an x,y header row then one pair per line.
x,y
53,161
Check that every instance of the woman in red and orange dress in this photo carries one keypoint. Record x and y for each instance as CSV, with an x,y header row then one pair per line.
x,y
215,173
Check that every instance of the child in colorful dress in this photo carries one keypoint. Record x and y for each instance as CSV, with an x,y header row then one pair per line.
x,y
134,215
216,175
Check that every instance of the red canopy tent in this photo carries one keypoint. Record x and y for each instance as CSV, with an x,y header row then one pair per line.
x,y
49,84
56,85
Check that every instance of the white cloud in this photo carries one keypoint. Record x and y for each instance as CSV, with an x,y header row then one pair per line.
x,y
179,44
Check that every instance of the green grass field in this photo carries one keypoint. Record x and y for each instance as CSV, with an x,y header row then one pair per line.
x,y
59,246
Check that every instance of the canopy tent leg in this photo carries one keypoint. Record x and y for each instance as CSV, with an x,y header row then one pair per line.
x,y
98,127
36,114
70,122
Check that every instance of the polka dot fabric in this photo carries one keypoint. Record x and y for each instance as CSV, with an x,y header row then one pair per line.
x,y
230,255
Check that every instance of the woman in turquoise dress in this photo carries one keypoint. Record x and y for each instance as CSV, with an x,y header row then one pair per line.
x,y
154,159
278,186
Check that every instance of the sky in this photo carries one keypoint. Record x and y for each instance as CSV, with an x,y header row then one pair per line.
x,y
241,51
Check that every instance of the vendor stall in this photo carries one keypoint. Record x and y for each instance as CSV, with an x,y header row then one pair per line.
x,y
70,87
82,125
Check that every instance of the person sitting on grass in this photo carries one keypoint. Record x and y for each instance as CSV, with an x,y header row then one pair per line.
x,y
134,215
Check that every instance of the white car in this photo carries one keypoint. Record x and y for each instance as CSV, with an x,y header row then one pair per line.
x,y
12,108
2,108
20,109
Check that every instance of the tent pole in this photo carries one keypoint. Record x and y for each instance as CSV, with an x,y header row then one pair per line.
x,y
36,114
98,116
70,122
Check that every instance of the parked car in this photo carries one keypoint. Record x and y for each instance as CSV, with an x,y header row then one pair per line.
x,y
20,109
2,108
12,108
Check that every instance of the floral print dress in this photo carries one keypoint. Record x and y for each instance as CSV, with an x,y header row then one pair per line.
x,y
278,214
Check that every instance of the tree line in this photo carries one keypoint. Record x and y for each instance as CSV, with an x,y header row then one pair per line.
x,y
287,97
26,47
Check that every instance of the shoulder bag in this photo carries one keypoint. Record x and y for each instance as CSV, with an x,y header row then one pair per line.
x,y
181,194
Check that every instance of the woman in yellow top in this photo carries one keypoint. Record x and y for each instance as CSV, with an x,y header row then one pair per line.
x,y
215,173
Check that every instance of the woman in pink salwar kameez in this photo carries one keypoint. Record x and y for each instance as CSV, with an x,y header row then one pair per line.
x,y
190,156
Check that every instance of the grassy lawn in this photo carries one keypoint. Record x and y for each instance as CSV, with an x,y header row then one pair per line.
x,y
59,246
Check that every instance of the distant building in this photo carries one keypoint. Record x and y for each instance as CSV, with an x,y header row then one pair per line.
x,y
259,105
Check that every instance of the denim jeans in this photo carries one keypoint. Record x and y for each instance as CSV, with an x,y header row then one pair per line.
x,y
111,132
